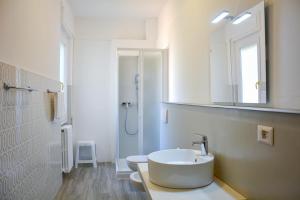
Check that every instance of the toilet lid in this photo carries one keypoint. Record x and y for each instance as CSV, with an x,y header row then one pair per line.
x,y
137,159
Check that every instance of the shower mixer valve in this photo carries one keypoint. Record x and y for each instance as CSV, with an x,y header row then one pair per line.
x,y
127,104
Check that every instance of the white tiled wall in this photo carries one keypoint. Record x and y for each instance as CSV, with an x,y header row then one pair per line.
x,y
30,155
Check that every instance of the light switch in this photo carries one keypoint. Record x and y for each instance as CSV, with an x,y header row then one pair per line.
x,y
265,134
165,116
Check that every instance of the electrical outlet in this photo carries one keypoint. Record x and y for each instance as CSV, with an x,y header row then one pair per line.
x,y
265,134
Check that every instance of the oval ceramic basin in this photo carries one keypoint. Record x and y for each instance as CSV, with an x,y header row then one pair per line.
x,y
180,168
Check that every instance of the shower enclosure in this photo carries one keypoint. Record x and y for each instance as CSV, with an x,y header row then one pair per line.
x,y
140,95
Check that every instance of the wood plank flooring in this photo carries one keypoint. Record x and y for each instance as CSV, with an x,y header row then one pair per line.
x,y
88,183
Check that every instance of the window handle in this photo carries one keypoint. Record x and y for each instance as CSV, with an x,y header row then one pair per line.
x,y
257,84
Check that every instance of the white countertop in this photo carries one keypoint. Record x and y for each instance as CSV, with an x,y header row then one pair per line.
x,y
215,191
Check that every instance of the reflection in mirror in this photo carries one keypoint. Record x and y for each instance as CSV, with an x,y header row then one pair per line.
x,y
213,61
249,74
237,59
220,72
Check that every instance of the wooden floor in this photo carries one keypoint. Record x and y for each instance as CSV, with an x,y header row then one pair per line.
x,y
88,183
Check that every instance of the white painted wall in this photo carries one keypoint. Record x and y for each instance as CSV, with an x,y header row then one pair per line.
x,y
183,28
108,29
284,48
30,34
68,20
91,96
95,111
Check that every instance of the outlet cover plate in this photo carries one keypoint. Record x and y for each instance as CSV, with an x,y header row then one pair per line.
x,y
265,134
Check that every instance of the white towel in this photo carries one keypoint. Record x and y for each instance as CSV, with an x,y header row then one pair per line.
x,y
60,113
58,108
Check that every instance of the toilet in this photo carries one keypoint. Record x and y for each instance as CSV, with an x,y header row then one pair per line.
x,y
135,178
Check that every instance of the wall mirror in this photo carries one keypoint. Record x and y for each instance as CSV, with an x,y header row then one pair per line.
x,y
238,58
241,53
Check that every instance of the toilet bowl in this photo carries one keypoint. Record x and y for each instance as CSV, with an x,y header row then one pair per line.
x,y
132,162
136,181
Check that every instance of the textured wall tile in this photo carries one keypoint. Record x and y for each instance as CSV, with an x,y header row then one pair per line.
x,y
9,74
30,155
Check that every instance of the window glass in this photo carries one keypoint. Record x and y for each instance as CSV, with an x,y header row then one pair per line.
x,y
63,73
62,63
249,69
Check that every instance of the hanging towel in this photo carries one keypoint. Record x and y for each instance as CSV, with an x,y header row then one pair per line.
x,y
53,103
58,109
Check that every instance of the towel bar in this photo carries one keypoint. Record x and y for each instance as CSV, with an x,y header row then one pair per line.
x,y
8,87
29,89
49,91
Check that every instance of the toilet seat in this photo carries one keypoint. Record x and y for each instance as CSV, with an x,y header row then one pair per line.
x,y
132,161
137,159
134,176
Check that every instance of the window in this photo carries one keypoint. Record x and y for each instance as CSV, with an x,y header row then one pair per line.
x,y
62,64
249,71
64,71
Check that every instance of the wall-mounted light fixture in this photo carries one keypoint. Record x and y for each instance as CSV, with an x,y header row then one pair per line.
x,y
236,20
219,17
241,18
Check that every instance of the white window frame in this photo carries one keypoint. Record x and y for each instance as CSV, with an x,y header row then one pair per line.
x,y
66,41
236,58
247,32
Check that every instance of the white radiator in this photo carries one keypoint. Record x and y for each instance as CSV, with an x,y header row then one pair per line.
x,y
67,148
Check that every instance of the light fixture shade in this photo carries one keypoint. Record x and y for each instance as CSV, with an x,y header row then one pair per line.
x,y
241,18
221,16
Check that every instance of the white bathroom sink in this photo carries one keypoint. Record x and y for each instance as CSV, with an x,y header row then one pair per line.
x,y
180,168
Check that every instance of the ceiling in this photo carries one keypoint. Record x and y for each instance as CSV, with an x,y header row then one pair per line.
x,y
141,9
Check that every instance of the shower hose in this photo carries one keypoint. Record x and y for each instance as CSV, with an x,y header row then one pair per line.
x,y
126,127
